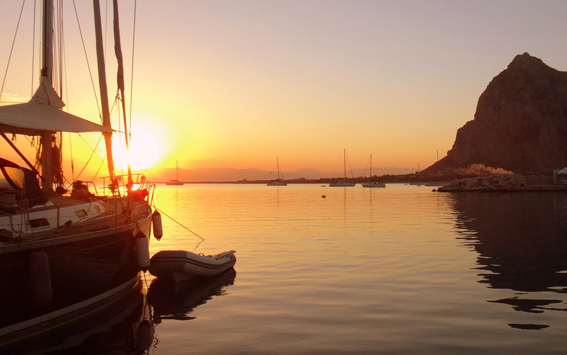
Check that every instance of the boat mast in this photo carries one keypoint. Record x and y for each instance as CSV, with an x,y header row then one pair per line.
x,y
103,89
437,163
344,163
278,166
47,74
120,82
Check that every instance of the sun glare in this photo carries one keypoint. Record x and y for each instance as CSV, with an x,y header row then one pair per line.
x,y
146,149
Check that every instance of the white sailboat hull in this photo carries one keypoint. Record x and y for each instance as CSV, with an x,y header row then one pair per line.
x,y
343,183
373,184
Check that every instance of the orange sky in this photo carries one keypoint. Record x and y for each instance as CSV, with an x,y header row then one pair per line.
x,y
237,84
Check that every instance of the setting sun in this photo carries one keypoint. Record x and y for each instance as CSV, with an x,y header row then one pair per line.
x,y
145,151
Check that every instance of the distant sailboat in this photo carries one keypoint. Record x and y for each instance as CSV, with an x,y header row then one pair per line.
x,y
176,181
418,183
277,182
437,183
373,183
343,183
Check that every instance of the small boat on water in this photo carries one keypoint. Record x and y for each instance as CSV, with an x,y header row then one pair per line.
x,y
180,265
373,183
277,182
176,181
343,183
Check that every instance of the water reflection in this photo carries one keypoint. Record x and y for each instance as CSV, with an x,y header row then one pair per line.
x,y
123,327
521,239
128,326
171,300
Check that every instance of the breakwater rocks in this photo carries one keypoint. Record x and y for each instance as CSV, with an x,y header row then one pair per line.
x,y
497,182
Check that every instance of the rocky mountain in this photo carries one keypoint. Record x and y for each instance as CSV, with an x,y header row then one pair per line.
x,y
520,123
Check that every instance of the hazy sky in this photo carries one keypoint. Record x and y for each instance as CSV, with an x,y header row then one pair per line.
x,y
239,83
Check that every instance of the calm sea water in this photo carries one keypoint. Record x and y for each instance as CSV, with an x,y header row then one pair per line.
x,y
400,270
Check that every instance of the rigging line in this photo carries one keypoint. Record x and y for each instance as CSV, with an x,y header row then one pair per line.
x,y
132,73
174,220
99,167
87,58
350,168
12,49
63,61
33,49
366,167
92,153
72,162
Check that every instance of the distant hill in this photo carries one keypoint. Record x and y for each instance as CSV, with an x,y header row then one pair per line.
x,y
520,124
231,174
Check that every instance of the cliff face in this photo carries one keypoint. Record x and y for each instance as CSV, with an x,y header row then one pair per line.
x,y
520,123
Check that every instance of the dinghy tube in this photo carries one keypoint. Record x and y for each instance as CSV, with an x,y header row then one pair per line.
x,y
181,265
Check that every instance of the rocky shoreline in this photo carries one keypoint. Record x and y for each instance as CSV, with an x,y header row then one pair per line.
x,y
499,183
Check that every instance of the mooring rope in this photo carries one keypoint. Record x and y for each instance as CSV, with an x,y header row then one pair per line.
x,y
174,220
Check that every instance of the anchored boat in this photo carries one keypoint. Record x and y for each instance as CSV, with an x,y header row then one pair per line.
x,y
180,265
373,183
66,250
277,182
343,183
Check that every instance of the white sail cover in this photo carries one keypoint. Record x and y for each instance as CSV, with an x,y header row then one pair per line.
x,y
563,171
42,113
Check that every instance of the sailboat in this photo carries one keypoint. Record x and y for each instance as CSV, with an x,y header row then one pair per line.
x,y
343,183
373,183
68,252
277,182
176,181
437,183
417,182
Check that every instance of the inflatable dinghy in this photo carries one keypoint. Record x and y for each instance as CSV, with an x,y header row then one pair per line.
x,y
180,265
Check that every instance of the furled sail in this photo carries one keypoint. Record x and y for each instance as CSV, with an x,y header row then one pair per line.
x,y
42,113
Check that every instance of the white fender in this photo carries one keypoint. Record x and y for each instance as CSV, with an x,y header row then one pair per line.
x,y
40,279
156,222
143,251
